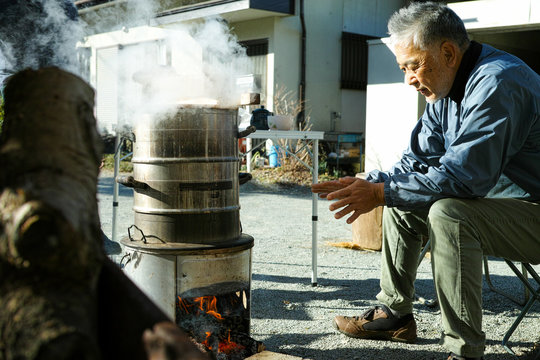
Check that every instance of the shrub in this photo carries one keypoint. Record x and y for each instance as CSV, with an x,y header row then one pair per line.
x,y
125,165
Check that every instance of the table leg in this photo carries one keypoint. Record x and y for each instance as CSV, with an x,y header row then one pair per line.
x,y
117,153
248,154
314,218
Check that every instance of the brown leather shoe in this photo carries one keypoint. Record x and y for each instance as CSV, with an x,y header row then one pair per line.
x,y
378,323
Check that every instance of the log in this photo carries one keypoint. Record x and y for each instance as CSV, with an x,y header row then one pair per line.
x,y
367,228
61,298
50,256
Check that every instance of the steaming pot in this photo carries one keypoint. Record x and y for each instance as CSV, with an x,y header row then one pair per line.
x,y
185,176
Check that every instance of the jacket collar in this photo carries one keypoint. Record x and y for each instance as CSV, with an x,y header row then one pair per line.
x,y
465,68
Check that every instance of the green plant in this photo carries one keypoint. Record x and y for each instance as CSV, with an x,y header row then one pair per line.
x,y
125,165
324,172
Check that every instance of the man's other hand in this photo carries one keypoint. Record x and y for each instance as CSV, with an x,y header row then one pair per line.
x,y
353,195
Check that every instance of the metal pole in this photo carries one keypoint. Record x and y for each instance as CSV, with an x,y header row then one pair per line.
x,y
314,212
115,185
248,154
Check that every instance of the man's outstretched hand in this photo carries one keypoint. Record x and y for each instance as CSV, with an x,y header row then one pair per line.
x,y
352,194
327,187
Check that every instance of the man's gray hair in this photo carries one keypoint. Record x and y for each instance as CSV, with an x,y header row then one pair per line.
x,y
425,23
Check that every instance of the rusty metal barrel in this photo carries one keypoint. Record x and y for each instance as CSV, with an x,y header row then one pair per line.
x,y
185,177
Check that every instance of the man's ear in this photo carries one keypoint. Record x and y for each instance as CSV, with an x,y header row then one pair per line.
x,y
450,52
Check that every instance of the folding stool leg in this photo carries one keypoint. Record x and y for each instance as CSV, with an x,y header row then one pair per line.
x,y
424,251
534,296
429,303
500,292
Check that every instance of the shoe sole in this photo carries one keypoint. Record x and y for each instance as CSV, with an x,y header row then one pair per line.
x,y
376,335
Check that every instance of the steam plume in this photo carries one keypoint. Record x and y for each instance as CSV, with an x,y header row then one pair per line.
x,y
189,63
38,33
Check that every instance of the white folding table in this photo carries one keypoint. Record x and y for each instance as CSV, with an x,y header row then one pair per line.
x,y
307,137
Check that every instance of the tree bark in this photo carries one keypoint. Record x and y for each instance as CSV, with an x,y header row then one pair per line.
x,y
60,297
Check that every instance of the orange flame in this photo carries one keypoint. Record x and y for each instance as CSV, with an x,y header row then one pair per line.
x,y
227,346
208,305
205,342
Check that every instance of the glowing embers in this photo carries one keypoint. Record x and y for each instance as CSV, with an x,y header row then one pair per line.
x,y
220,324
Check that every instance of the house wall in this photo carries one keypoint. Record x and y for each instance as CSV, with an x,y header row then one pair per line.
x,y
105,70
287,53
366,17
283,34
392,111
324,25
328,106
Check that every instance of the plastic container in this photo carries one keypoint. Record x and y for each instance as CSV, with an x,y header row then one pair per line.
x,y
280,122
272,153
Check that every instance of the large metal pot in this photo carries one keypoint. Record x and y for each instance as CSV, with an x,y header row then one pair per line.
x,y
186,246
185,167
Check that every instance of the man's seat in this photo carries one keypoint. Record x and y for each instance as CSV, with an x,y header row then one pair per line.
x,y
530,296
511,296
533,296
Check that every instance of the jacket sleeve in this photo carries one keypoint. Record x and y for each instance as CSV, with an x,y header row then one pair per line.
x,y
461,154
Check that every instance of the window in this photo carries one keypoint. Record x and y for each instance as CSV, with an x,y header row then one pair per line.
x,y
257,51
255,47
354,58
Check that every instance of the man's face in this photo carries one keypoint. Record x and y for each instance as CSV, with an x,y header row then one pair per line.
x,y
426,70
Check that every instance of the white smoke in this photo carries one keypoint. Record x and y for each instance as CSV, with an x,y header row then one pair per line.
x,y
37,34
224,60
67,34
117,15
195,64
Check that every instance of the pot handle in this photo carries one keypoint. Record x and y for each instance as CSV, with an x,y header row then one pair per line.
x,y
244,177
250,129
129,181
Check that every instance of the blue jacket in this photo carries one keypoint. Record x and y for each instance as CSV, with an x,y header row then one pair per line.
x,y
483,140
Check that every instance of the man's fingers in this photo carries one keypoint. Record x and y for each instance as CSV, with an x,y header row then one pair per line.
x,y
353,217
343,212
338,204
347,180
339,194
326,187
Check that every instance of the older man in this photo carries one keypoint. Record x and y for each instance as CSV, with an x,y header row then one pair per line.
x,y
470,179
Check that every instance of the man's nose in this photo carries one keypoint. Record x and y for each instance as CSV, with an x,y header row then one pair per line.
x,y
407,79
410,79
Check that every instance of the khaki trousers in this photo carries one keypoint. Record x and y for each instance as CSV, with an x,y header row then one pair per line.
x,y
461,232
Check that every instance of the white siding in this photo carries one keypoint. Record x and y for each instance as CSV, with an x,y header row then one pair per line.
x,y
107,88
392,109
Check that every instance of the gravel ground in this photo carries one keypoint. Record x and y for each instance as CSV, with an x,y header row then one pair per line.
x,y
292,317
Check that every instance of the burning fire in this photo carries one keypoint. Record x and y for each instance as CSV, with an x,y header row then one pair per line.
x,y
225,346
208,305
